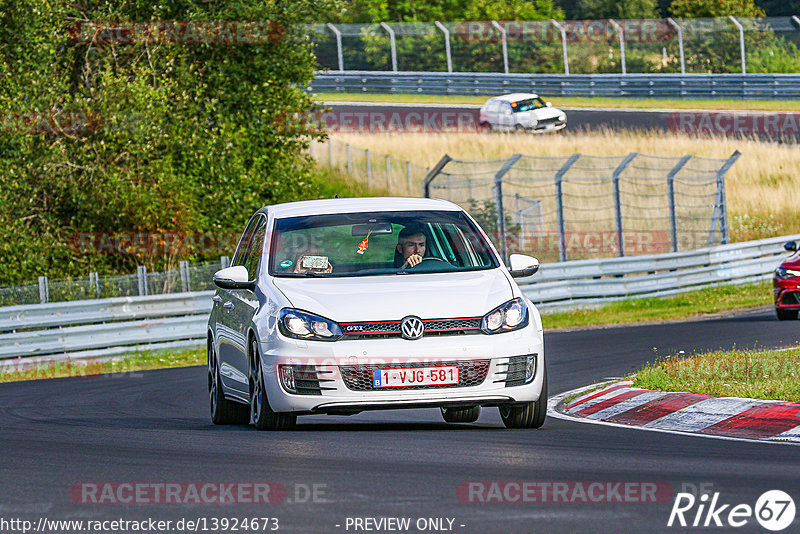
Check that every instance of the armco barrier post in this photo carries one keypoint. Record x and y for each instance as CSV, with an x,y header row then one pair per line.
x,y
498,201
559,178
44,290
673,224
349,160
618,201
141,275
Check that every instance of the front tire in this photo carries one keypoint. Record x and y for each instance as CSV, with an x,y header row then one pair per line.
x,y
223,411
469,414
786,315
529,414
261,414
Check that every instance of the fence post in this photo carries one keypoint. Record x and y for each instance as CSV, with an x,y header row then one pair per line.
x,y
621,43
680,43
330,152
673,223
183,267
349,160
433,173
559,178
446,33
504,44
94,281
388,174
498,201
408,172
721,201
741,43
44,290
563,44
338,35
141,275
311,149
618,201
369,168
224,262
392,44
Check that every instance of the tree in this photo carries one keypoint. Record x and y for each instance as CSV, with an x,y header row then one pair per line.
x,y
146,137
616,9
715,8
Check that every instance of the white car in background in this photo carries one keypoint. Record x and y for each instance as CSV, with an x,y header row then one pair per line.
x,y
344,305
521,112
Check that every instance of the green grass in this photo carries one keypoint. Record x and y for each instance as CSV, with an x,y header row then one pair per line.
x,y
129,363
736,373
684,305
576,102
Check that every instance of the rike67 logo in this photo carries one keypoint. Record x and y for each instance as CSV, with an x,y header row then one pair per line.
x,y
774,510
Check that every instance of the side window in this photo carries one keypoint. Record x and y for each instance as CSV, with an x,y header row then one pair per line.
x,y
241,249
256,249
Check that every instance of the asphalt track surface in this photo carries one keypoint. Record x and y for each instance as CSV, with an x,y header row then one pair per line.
x,y
153,427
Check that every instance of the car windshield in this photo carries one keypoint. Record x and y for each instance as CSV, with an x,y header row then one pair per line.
x,y
378,243
527,105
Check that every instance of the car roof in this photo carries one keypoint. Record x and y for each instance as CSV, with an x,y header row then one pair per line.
x,y
516,97
355,205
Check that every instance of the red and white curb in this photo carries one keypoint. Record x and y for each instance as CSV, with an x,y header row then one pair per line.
x,y
618,403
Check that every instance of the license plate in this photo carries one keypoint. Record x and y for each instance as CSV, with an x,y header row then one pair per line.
x,y
416,376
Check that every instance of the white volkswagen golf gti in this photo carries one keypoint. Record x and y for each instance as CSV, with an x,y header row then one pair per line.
x,y
344,305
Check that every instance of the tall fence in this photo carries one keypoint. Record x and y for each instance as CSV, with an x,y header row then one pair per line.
x,y
703,45
573,207
376,170
187,277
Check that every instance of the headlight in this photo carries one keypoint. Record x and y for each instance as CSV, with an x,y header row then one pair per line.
x,y
299,324
512,315
783,274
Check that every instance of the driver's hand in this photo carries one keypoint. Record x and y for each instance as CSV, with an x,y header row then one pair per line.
x,y
412,261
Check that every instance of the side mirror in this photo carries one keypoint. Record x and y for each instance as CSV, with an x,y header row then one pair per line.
x,y
522,265
235,277
790,246
548,104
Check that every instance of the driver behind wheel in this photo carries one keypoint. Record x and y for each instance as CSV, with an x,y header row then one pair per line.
x,y
410,250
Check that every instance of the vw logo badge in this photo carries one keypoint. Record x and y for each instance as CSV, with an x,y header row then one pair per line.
x,y
412,327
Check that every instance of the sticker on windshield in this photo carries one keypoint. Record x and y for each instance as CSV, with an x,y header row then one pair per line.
x,y
286,263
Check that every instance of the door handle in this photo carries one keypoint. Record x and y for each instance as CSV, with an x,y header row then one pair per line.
x,y
228,305
217,299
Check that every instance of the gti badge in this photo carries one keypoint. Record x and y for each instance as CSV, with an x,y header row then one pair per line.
x,y
411,327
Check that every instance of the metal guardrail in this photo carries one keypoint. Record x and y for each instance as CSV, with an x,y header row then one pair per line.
x,y
752,86
97,328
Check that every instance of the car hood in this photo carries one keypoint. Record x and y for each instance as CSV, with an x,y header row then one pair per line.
x,y
392,297
540,114
792,262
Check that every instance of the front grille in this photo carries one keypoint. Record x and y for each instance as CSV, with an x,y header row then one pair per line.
x,y
545,122
470,373
307,380
514,372
389,329
790,298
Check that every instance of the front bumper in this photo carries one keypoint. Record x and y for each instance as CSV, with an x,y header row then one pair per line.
x,y
786,293
327,359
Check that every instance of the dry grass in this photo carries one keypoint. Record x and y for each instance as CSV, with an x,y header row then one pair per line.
x,y
763,187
